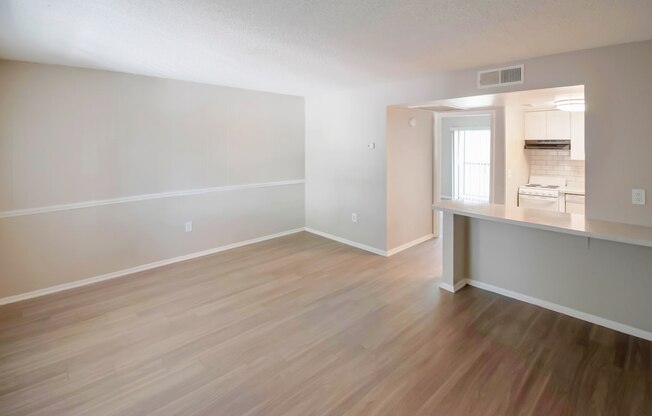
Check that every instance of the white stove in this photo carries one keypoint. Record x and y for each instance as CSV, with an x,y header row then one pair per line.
x,y
542,192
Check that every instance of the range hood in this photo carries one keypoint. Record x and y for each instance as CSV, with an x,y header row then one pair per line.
x,y
548,144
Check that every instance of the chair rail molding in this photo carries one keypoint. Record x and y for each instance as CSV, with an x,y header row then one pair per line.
x,y
143,197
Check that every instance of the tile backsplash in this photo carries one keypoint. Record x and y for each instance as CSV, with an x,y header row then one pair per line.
x,y
555,163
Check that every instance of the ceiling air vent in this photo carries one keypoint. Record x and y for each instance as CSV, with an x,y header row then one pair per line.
x,y
500,76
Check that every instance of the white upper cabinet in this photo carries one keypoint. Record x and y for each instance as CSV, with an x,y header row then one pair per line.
x,y
577,136
558,125
535,125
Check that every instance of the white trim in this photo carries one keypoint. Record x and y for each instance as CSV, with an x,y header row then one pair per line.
x,y
468,128
410,244
459,285
131,270
616,326
436,180
447,287
144,197
348,242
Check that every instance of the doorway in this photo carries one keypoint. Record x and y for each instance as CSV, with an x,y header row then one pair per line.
x,y
471,163
464,156
464,143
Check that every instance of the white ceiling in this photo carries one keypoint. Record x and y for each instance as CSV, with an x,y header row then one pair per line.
x,y
301,47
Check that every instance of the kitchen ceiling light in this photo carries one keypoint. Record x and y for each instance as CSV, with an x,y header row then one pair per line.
x,y
571,104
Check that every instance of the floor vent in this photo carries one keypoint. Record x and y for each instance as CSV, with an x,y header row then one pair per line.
x,y
500,76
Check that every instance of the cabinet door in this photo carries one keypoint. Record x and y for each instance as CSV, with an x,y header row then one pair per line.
x,y
558,125
577,136
575,204
535,125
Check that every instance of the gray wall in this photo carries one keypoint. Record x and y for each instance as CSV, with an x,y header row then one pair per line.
x,y
447,123
72,135
602,278
409,176
343,177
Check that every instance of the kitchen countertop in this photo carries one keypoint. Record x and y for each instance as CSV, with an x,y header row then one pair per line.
x,y
574,224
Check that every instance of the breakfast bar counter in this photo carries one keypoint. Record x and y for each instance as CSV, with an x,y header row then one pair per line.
x,y
594,270
575,224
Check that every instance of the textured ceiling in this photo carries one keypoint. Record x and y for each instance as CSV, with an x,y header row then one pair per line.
x,y
301,47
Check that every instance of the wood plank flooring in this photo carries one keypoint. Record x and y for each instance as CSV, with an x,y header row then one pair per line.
x,y
301,325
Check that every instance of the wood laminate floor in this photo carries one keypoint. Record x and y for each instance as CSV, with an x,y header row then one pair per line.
x,y
301,325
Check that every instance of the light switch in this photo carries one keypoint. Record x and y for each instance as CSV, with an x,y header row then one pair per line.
x,y
638,196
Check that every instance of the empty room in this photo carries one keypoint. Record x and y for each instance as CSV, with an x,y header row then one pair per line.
x,y
325,208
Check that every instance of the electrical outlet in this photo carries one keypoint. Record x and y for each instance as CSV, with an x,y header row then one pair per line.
x,y
354,217
638,196
188,226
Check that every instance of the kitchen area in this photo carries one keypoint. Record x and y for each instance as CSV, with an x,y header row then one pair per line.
x,y
554,150
508,188
518,149
540,215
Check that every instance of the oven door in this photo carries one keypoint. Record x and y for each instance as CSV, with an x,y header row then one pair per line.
x,y
538,202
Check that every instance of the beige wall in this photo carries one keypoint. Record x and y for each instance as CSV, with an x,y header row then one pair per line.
x,y
517,165
409,176
341,177
72,135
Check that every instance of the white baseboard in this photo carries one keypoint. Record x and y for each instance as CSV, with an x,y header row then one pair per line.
x,y
459,285
410,244
348,242
131,270
616,326
447,287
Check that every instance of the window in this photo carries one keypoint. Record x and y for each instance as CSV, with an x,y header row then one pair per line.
x,y
472,164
